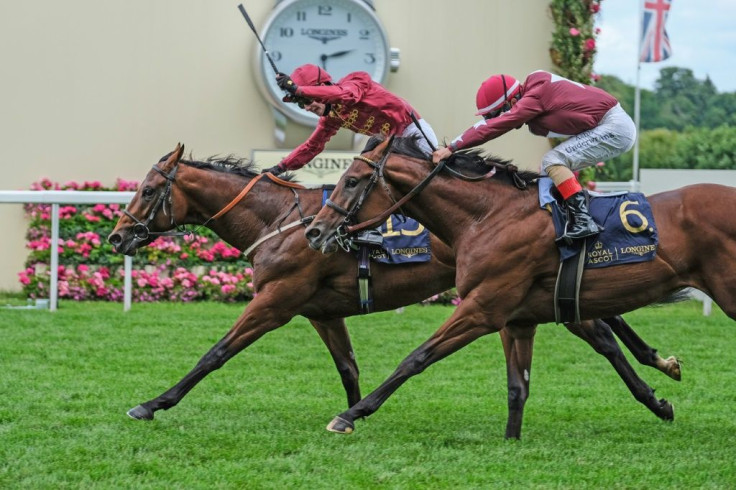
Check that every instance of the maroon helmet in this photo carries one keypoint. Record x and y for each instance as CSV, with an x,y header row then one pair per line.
x,y
495,93
310,75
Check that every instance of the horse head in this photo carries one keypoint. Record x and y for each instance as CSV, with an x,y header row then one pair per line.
x,y
150,213
352,200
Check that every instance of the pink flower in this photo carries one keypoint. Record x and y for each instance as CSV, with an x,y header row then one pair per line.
x,y
574,32
595,7
589,44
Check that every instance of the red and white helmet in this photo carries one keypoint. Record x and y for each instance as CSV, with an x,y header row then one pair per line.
x,y
310,75
495,92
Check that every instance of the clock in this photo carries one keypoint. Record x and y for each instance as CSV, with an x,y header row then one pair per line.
x,y
341,36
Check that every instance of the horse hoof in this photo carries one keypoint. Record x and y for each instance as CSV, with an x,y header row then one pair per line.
x,y
667,410
140,413
340,426
674,368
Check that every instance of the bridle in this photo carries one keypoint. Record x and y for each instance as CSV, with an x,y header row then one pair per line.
x,y
344,232
141,231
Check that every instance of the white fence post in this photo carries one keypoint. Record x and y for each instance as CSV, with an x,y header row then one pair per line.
x,y
71,197
54,289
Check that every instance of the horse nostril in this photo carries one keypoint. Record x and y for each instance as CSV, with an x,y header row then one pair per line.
x,y
114,239
313,233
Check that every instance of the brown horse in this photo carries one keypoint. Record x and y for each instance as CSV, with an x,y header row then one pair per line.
x,y
246,209
506,259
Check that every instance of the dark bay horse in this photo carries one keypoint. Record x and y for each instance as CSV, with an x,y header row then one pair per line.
x,y
291,279
506,259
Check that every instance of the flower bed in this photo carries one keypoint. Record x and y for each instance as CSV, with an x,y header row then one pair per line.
x,y
190,268
199,267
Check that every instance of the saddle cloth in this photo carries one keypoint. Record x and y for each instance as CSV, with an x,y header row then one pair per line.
x,y
405,240
630,233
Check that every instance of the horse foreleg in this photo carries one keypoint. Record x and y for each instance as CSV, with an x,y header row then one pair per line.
x,y
462,328
518,345
600,337
643,352
335,335
250,326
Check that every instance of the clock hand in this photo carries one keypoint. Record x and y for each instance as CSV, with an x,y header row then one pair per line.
x,y
337,54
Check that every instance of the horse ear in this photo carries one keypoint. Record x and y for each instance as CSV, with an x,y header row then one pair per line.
x,y
385,145
178,152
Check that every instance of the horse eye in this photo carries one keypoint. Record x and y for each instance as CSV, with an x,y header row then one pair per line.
x,y
148,193
351,182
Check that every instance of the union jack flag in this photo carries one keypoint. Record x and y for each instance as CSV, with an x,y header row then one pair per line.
x,y
655,44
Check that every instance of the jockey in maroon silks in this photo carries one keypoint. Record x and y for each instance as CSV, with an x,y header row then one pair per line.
x,y
355,102
595,125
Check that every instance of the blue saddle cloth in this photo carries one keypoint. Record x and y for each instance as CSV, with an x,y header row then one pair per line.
x,y
630,233
405,240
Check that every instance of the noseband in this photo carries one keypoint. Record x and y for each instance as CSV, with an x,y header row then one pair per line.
x,y
141,231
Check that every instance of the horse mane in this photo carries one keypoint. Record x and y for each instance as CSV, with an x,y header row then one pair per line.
x,y
229,164
472,162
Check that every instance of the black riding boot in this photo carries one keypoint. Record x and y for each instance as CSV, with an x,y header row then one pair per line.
x,y
582,224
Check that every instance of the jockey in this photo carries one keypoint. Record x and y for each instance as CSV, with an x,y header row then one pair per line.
x,y
355,102
595,125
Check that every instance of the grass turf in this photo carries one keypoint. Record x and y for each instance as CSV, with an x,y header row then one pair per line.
x,y
68,378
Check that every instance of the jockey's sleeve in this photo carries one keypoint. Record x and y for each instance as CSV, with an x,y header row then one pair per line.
x,y
526,109
346,92
314,145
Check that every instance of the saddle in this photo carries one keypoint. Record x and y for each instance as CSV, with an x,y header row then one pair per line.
x,y
629,236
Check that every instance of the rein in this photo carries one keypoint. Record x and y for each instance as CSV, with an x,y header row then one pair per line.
x,y
142,232
350,229
344,231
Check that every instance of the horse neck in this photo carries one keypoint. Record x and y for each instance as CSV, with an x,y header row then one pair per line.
x,y
209,191
448,206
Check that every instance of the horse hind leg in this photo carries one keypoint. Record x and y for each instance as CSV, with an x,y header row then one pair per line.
x,y
335,335
518,346
643,352
599,336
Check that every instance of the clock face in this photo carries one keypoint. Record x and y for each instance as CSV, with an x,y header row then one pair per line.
x,y
341,36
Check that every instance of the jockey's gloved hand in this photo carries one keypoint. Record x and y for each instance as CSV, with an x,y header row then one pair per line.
x,y
275,170
286,83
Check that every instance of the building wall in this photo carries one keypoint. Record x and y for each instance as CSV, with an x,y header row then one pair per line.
x,y
93,90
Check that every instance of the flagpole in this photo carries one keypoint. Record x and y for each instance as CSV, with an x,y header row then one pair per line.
x,y
637,101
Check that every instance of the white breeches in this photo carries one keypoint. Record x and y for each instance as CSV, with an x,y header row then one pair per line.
x,y
614,135
412,129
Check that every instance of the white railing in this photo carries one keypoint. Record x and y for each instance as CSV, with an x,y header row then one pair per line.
x,y
71,197
630,186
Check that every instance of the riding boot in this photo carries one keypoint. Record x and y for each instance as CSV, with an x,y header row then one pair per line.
x,y
582,224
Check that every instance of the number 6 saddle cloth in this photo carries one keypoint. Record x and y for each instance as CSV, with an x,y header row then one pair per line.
x,y
630,233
